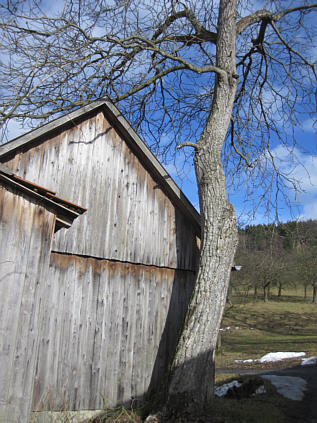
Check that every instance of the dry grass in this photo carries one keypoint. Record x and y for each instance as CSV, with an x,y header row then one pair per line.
x,y
282,324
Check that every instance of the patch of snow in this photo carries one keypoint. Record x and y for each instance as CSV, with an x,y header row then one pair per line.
x,y
229,328
271,357
289,386
224,329
221,391
260,390
277,356
309,361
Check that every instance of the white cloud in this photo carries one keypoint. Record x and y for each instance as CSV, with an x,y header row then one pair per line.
x,y
302,168
298,166
309,210
309,125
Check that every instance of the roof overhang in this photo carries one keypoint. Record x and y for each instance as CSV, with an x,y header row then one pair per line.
x,y
64,211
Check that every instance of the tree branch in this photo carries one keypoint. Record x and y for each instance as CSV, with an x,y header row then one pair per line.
x,y
149,82
267,15
235,147
141,43
202,34
292,49
187,144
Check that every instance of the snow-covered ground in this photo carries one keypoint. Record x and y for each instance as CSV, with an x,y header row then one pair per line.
x,y
221,391
309,361
231,328
289,386
272,357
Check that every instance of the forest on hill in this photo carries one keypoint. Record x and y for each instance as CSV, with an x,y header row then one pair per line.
x,y
279,257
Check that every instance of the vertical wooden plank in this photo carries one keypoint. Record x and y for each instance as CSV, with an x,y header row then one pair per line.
x,y
26,230
116,334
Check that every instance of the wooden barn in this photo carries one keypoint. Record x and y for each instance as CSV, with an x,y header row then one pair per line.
x,y
120,278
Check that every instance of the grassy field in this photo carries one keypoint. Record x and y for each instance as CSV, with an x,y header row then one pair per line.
x,y
288,323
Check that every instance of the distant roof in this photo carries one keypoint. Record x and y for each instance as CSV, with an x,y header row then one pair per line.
x,y
128,134
65,211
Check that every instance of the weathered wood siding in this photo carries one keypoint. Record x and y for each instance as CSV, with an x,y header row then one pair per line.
x,y
26,230
102,330
119,278
129,218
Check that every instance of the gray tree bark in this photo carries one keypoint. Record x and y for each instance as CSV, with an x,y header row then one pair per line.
x,y
191,375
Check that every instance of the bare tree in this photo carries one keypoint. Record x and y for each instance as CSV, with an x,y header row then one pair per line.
x,y
221,77
306,268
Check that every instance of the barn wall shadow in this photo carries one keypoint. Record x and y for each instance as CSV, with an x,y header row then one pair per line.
x,y
182,290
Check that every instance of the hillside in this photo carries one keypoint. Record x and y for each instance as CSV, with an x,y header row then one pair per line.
x,y
276,258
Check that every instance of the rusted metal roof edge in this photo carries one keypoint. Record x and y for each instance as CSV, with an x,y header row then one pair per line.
x,y
136,143
64,214
42,190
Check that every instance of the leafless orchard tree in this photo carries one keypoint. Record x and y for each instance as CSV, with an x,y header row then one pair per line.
x,y
221,78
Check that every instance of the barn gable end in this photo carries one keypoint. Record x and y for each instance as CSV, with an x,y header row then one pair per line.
x,y
121,277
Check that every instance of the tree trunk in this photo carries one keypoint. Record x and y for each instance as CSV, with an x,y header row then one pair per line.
x,y
255,291
279,290
305,291
191,374
266,292
314,292
192,368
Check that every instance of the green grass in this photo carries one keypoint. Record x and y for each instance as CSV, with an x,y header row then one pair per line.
x,y
282,324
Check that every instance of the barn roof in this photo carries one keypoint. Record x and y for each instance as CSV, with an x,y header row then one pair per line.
x,y
65,211
123,127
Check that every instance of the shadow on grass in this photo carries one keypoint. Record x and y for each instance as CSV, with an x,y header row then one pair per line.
x,y
281,318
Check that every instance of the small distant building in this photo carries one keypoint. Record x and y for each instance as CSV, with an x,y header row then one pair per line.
x,y
118,281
